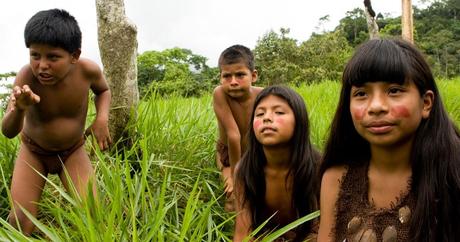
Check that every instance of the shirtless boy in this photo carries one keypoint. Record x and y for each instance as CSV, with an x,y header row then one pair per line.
x,y
48,107
233,100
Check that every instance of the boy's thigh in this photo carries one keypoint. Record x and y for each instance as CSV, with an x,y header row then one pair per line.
x,y
78,168
28,179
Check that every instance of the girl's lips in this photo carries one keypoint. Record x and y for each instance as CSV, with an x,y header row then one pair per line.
x,y
380,129
267,130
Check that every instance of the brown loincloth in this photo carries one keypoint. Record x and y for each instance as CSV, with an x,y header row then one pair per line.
x,y
52,160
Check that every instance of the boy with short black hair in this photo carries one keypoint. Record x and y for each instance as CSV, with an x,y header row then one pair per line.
x,y
48,107
232,101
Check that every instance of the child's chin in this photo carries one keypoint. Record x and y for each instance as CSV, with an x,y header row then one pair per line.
x,y
47,82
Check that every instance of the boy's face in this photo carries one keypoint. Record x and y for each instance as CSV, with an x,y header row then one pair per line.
x,y
236,79
51,64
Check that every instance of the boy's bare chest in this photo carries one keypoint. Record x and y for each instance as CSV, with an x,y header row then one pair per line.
x,y
63,101
242,115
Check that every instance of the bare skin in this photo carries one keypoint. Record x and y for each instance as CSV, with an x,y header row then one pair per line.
x,y
274,127
278,198
49,104
233,101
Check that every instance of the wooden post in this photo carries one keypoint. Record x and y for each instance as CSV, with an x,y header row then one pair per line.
x,y
407,25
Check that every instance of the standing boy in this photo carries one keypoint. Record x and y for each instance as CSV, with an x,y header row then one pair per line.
x,y
233,101
48,107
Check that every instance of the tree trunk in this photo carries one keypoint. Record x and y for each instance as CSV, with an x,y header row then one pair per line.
x,y
372,26
117,37
406,21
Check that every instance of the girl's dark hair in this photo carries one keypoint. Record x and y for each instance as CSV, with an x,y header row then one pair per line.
x,y
303,165
55,27
435,155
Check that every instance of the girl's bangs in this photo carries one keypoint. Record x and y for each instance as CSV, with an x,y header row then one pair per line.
x,y
377,62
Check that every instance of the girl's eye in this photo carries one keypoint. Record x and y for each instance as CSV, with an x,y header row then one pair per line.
x,y
394,90
359,93
260,114
279,112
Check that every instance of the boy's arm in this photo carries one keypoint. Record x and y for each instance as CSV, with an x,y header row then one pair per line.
x,y
20,99
228,124
99,128
330,187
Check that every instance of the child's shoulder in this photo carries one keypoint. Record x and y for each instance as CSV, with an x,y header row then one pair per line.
x,y
256,90
88,65
333,176
89,68
24,76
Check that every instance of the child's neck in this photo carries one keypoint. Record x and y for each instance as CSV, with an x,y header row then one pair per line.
x,y
277,157
391,159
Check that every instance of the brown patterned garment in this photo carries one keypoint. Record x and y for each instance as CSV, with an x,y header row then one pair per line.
x,y
222,149
357,219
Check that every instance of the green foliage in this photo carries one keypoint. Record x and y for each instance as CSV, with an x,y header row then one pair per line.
x,y
277,58
175,72
324,57
436,33
354,26
280,59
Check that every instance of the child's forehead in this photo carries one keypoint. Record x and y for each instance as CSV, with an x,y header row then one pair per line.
x,y
45,48
272,101
238,66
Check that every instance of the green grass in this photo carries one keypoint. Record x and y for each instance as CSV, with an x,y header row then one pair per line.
x,y
176,195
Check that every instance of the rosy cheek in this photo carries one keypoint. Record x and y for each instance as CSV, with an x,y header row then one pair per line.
x,y
257,123
358,113
279,121
400,112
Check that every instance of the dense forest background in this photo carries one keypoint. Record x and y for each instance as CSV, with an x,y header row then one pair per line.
x,y
282,59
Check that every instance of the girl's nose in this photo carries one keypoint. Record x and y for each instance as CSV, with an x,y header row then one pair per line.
x,y
378,104
267,118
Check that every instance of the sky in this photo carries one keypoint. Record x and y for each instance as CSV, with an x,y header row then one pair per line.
x,y
206,27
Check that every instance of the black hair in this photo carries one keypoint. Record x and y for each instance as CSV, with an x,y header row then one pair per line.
x,y
435,154
236,54
55,27
303,164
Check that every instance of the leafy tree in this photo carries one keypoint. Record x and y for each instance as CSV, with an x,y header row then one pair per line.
x,y
354,26
277,58
324,57
175,71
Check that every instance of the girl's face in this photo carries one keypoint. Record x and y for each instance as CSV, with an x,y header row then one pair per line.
x,y
387,114
274,121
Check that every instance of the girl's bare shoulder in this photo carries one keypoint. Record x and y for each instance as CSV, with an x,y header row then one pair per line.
x,y
331,180
334,174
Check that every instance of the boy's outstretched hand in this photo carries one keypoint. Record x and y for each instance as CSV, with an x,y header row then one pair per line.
x,y
23,97
100,130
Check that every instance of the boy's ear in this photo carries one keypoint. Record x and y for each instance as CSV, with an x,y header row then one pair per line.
x,y
255,74
76,56
428,99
